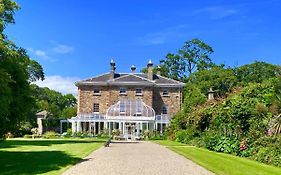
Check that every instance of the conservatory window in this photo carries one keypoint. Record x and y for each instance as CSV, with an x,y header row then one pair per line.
x,y
122,107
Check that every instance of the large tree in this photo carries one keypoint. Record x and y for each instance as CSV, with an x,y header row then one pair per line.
x,y
17,70
196,55
173,66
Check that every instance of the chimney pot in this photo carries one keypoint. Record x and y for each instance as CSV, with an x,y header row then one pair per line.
x,y
158,70
112,69
150,70
133,68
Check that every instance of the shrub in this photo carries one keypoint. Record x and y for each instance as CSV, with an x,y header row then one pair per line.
x,y
267,150
184,136
50,135
115,132
223,144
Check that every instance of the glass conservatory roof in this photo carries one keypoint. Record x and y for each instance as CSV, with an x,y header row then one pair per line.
x,y
134,109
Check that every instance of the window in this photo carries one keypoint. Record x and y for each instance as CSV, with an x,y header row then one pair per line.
x,y
139,107
96,108
122,107
96,91
138,91
164,109
122,91
165,92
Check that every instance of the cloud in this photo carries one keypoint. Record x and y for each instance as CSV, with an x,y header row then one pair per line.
x,y
163,36
39,53
215,12
63,49
65,85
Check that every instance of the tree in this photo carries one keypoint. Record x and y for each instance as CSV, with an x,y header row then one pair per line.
x,y
174,66
17,70
256,72
55,103
196,55
218,78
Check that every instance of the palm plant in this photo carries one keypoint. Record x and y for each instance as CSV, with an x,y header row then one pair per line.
x,y
275,125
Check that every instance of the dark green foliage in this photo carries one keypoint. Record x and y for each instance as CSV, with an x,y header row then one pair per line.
x,y
193,56
267,150
17,70
196,55
218,78
57,104
173,66
256,72
241,117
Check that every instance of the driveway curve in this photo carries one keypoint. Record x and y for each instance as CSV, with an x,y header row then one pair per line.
x,y
138,158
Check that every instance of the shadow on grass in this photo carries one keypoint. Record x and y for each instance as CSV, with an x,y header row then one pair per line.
x,y
34,162
36,142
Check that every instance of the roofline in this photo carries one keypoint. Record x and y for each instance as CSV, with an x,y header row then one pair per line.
x,y
129,83
147,83
114,83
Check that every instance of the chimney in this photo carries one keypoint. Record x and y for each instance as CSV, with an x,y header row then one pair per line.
x,y
112,69
211,94
133,68
158,70
150,70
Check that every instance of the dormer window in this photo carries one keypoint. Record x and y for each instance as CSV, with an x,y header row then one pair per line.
x,y
123,91
165,92
96,91
138,91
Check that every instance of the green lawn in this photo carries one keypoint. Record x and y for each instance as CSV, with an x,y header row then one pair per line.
x,y
220,163
39,156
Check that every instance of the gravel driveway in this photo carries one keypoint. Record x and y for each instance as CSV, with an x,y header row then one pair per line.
x,y
137,158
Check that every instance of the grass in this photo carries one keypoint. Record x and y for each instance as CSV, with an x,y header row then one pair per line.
x,y
220,163
43,156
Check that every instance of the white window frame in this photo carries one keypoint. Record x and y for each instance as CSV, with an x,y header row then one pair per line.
x,y
166,109
139,93
94,105
122,93
96,93
122,107
165,93
139,107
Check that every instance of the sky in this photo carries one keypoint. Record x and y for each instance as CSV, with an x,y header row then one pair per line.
x,y
74,40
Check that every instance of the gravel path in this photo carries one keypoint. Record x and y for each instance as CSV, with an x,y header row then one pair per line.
x,y
138,158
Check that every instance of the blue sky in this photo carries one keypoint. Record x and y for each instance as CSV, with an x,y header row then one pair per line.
x,y
74,40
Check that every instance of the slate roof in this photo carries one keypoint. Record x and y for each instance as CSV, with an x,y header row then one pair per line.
x,y
130,78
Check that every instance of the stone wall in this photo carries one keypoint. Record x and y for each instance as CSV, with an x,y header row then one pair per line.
x,y
109,95
173,101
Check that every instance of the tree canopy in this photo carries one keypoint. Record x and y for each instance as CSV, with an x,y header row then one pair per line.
x,y
17,70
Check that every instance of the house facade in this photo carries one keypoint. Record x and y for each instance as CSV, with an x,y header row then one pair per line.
x,y
130,102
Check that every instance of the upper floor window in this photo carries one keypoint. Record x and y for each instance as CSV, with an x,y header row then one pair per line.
x,y
96,91
96,108
123,91
138,91
165,92
164,109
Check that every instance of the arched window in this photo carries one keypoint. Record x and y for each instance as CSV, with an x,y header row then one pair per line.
x,y
164,109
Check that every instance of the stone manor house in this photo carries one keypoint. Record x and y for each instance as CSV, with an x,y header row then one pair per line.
x,y
130,102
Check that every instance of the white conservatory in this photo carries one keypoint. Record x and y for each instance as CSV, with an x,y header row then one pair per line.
x,y
130,117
